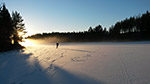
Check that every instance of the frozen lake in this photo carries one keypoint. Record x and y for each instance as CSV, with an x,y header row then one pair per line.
x,y
78,63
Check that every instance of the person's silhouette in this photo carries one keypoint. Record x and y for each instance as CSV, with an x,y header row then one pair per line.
x,y
57,44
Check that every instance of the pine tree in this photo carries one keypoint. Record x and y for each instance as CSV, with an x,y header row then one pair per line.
x,y
18,26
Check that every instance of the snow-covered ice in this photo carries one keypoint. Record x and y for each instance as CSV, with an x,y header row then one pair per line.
x,y
78,63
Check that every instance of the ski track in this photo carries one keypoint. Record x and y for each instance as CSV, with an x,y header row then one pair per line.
x,y
123,65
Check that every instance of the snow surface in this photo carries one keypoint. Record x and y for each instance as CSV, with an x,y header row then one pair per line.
x,y
78,63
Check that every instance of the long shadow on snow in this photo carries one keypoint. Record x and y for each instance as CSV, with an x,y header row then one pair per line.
x,y
12,65
57,75
15,69
65,77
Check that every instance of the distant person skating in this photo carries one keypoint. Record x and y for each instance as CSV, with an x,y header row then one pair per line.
x,y
57,44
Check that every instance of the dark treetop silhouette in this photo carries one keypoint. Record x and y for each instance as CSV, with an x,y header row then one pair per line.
x,y
9,29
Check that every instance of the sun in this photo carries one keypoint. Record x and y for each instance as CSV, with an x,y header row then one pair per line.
x,y
24,34
20,33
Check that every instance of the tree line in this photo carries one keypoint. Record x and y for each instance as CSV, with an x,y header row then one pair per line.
x,y
130,29
133,28
10,27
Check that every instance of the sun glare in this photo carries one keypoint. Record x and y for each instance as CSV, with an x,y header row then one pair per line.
x,y
20,33
27,42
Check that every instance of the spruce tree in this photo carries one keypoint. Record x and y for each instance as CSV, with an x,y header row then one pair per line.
x,y
6,28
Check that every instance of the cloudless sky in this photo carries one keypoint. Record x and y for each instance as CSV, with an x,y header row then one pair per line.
x,y
74,15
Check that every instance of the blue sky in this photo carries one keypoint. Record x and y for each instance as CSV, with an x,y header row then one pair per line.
x,y
74,15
